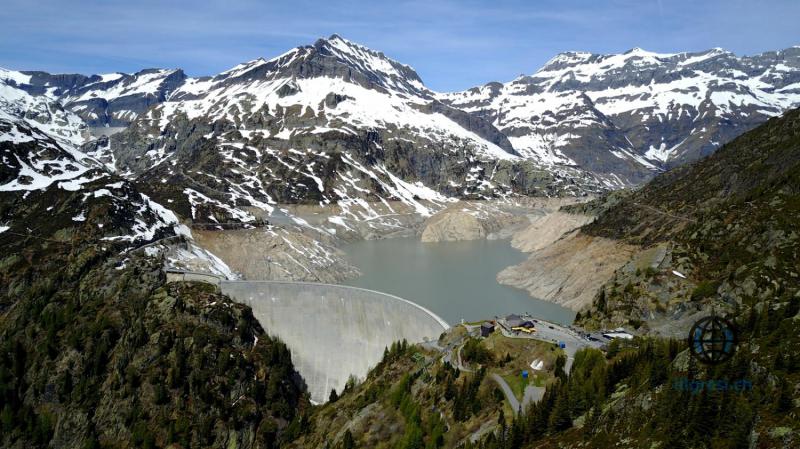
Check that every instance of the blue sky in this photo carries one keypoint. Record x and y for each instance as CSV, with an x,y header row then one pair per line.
x,y
452,44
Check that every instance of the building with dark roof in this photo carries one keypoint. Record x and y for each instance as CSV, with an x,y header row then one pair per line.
x,y
516,321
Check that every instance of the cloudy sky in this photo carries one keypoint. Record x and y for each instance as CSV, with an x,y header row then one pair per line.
x,y
452,44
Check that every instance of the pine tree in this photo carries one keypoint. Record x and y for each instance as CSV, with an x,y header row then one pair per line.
x,y
347,441
601,301
503,428
784,401
592,421
560,418
7,419
561,362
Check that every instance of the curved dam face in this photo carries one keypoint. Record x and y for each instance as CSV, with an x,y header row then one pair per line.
x,y
333,331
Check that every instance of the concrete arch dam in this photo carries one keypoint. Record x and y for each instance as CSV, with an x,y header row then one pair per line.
x,y
333,331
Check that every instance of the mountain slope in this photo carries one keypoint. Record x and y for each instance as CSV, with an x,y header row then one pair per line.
x,y
96,350
648,111
50,192
96,357
43,112
108,100
726,225
332,123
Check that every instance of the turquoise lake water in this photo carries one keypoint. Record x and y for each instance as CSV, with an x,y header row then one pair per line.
x,y
455,280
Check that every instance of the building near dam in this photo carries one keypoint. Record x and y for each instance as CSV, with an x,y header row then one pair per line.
x,y
334,331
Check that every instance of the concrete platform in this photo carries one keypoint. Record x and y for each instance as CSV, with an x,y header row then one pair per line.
x,y
334,331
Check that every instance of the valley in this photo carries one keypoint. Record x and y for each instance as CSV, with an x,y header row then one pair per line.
x,y
397,253
318,250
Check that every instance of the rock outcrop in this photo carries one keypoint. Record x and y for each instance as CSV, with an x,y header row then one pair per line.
x,y
473,220
545,229
569,271
277,254
451,225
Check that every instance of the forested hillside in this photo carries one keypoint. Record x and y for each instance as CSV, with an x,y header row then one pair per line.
x,y
96,350
727,224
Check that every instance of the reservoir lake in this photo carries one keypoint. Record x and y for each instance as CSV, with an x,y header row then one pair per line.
x,y
455,280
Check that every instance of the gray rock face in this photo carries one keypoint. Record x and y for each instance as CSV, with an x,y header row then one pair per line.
x,y
111,100
204,176
630,115
474,124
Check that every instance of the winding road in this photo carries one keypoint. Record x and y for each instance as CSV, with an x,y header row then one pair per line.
x,y
532,394
510,396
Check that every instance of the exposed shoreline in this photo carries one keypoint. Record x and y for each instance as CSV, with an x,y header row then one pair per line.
x,y
564,266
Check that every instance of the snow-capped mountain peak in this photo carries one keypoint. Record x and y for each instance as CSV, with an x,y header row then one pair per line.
x,y
377,67
334,84
637,109
618,118
642,53
334,57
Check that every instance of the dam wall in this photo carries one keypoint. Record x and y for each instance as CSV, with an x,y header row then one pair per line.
x,y
333,331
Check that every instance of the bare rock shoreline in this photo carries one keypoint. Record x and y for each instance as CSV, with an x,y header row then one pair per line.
x,y
564,266
570,270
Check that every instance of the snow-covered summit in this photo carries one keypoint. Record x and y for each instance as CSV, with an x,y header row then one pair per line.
x,y
627,114
620,116
333,84
334,57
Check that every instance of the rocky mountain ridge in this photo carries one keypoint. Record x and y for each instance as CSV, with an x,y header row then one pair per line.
x,y
626,116
108,100
332,123
580,124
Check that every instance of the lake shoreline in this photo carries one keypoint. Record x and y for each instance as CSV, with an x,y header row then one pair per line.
x,y
315,247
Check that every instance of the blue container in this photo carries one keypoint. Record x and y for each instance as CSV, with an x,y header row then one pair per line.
x,y
525,374
562,345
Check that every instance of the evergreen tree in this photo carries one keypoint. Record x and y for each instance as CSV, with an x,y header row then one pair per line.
x,y
560,418
347,440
